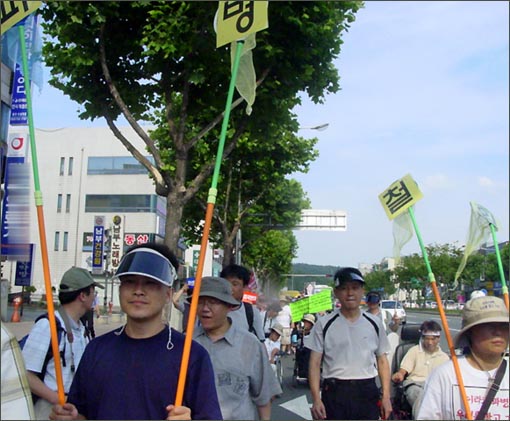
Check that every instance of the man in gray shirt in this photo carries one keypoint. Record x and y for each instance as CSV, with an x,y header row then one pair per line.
x,y
353,346
245,382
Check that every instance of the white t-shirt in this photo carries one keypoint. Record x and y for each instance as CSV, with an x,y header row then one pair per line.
x,y
284,317
442,399
270,345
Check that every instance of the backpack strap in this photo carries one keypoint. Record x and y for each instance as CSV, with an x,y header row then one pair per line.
x,y
69,332
249,317
494,387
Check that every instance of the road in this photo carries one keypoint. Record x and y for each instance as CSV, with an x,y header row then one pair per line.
x,y
295,402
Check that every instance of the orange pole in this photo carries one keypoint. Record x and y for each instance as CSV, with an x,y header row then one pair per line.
x,y
451,347
49,301
193,307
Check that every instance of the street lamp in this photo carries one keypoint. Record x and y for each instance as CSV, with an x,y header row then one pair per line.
x,y
320,127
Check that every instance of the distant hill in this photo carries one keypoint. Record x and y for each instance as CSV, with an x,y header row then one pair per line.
x,y
299,282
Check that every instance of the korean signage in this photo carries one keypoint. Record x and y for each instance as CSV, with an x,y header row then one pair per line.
x,y
130,239
15,222
237,19
97,247
116,248
312,304
400,196
24,269
14,11
19,112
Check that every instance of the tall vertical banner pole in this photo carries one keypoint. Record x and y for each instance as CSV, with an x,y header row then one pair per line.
x,y
398,198
211,200
504,286
40,219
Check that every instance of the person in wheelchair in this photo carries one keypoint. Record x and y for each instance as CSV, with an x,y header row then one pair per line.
x,y
272,344
303,353
418,362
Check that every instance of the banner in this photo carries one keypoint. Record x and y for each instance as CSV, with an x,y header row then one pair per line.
x,y
24,270
98,245
14,11
400,196
238,19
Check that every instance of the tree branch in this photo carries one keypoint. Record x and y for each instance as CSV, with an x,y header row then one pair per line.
x,y
161,185
122,105
219,117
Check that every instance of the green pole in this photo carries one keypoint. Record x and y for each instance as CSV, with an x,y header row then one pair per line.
x,y
504,287
224,125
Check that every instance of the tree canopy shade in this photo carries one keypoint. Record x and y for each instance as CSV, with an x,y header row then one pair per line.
x,y
156,62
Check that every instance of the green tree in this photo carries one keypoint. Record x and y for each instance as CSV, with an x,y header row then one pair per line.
x,y
156,62
271,256
380,279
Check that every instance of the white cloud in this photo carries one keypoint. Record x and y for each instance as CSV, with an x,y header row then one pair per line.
x,y
485,182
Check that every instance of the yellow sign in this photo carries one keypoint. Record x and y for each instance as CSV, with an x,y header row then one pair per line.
x,y
14,11
401,195
237,19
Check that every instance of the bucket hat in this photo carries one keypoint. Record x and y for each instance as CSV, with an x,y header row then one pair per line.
x,y
309,318
75,279
278,328
479,311
220,288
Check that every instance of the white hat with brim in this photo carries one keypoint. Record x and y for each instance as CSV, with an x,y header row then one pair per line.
x,y
278,328
481,310
309,318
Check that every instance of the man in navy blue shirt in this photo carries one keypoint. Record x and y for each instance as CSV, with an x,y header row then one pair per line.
x,y
132,373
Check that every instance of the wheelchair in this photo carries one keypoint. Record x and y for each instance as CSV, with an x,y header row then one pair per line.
x,y
301,363
279,367
409,337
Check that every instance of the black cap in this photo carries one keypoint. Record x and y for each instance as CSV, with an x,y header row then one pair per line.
x,y
348,274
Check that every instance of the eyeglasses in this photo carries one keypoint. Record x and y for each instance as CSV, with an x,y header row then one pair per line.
x,y
211,302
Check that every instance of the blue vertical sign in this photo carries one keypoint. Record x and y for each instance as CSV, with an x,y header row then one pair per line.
x,y
97,246
19,113
24,270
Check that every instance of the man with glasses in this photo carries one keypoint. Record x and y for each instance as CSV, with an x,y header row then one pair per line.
x,y
244,379
418,363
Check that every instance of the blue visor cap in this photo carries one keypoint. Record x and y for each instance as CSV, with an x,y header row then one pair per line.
x,y
147,262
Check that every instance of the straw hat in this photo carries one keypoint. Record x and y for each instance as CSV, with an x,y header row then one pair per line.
x,y
479,311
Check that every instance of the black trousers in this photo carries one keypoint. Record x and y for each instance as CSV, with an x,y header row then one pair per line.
x,y
351,399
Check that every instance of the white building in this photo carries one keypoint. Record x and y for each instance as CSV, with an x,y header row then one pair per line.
x,y
84,173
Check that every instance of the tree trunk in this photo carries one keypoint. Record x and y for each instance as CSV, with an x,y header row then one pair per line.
x,y
174,210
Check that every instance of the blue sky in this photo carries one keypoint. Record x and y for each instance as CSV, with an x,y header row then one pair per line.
x,y
425,91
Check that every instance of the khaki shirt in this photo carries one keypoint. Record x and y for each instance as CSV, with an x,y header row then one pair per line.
x,y
419,363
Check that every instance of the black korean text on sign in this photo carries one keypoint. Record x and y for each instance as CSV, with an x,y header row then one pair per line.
x,y
397,197
241,10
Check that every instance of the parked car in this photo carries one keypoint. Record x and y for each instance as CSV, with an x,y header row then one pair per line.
x,y
395,306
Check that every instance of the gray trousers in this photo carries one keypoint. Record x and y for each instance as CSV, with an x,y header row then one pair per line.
x,y
414,392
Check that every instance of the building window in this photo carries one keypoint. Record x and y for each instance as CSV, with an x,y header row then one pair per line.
x,y
120,203
68,203
70,168
57,240
62,165
66,239
59,203
116,165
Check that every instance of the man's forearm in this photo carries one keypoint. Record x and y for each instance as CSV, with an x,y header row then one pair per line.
x,y
264,411
314,375
383,368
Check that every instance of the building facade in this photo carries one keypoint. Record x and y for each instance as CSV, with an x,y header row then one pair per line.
x,y
86,173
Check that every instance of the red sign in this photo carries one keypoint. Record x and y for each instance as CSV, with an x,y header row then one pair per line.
x,y
250,297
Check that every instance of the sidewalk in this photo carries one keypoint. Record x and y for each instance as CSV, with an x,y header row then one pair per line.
x,y
103,325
